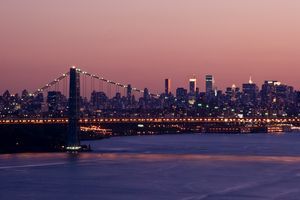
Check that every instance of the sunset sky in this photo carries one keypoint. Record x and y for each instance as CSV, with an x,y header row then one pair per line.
x,y
144,41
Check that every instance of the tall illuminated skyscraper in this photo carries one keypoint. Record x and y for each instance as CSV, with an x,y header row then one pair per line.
x,y
209,84
129,91
250,92
167,86
192,84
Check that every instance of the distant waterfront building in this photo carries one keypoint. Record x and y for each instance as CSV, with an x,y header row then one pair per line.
x,y
129,91
268,92
146,94
37,104
6,95
250,92
209,84
229,92
167,86
192,85
54,100
25,94
273,100
99,100
40,98
197,91
181,93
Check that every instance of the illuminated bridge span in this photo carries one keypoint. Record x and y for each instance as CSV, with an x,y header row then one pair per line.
x,y
155,120
96,83
77,87
81,84
77,84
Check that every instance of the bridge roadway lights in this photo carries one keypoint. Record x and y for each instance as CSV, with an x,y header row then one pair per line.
x,y
147,120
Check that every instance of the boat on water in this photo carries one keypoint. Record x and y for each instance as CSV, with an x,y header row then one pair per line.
x,y
94,133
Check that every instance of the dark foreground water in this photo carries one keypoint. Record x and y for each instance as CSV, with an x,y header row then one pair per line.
x,y
186,167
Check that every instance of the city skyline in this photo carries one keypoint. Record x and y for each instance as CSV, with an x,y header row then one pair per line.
x,y
142,43
200,83
149,99
109,98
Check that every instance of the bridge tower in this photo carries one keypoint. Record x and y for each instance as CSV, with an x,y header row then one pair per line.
x,y
73,142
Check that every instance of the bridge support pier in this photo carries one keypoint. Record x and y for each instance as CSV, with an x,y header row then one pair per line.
x,y
73,142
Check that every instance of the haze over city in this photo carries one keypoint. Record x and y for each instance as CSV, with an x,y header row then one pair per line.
x,y
142,42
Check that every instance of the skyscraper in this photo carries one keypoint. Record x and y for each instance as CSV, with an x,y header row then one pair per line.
x,y
129,91
181,93
99,100
250,92
268,92
209,84
54,99
146,94
167,86
192,84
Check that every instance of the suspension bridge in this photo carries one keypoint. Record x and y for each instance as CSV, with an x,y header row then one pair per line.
x,y
76,76
77,83
95,83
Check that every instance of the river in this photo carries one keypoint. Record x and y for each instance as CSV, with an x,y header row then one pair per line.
x,y
183,167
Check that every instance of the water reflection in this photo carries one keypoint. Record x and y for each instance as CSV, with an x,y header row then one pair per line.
x,y
160,167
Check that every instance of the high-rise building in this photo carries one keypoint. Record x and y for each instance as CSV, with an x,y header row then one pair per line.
x,y
25,94
167,86
250,92
268,92
209,84
284,92
146,94
181,93
54,100
129,91
99,100
229,92
6,95
192,84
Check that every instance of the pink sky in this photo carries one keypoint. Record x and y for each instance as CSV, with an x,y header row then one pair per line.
x,y
142,42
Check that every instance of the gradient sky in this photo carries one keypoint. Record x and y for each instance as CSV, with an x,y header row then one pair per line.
x,y
142,42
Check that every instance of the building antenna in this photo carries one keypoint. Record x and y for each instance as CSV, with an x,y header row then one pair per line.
x,y
250,80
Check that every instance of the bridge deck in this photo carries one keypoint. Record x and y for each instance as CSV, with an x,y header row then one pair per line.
x,y
152,120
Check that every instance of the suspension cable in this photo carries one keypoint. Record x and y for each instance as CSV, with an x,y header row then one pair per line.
x,y
101,79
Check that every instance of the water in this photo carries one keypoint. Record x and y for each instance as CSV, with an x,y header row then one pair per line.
x,y
185,167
